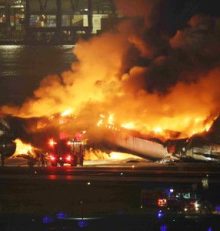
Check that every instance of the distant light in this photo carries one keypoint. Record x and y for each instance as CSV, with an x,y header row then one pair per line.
x,y
86,9
196,205
210,229
133,166
18,6
47,220
162,202
160,214
52,177
217,208
6,47
61,215
89,183
205,183
82,223
121,173
163,228
81,202
171,190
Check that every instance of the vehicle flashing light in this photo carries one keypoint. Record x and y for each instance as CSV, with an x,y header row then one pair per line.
x,y
69,143
52,158
68,158
52,143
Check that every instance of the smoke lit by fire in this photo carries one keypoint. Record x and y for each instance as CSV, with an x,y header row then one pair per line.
x,y
134,78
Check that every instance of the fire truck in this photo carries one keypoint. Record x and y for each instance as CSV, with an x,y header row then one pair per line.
x,y
66,151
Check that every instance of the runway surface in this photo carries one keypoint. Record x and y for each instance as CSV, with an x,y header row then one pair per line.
x,y
119,171
103,188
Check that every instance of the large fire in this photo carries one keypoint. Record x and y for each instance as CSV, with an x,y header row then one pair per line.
x,y
24,149
132,78
165,128
27,150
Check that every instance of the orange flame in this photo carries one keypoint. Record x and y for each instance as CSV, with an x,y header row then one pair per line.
x,y
24,149
100,155
100,83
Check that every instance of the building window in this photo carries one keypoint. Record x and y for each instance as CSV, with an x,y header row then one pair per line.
x,y
40,21
2,16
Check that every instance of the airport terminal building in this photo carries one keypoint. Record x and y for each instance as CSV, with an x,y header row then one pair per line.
x,y
53,21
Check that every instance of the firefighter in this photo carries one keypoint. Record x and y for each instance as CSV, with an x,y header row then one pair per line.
x,y
42,159
31,160
81,154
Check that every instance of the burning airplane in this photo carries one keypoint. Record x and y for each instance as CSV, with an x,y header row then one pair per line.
x,y
135,77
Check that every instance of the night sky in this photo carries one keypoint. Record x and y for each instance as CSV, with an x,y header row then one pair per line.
x,y
175,14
